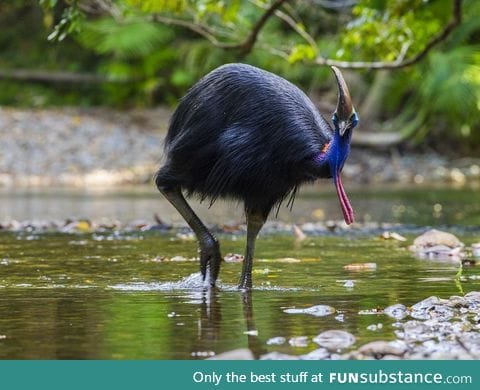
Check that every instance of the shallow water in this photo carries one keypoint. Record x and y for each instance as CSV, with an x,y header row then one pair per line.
x,y
419,205
110,295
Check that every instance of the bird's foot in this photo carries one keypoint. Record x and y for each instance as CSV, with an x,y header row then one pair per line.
x,y
210,259
245,283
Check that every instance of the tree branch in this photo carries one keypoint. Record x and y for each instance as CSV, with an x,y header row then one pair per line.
x,y
195,27
401,62
293,24
245,46
54,77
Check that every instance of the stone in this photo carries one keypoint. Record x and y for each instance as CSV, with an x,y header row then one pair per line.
x,y
383,348
335,339
236,354
317,311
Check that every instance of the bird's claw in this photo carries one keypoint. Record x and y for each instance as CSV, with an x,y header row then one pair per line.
x,y
210,259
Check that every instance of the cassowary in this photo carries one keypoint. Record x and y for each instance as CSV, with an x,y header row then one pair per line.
x,y
247,134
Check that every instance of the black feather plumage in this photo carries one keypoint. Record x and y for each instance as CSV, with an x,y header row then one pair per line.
x,y
244,133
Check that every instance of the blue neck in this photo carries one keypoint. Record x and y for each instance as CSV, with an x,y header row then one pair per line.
x,y
337,152
339,149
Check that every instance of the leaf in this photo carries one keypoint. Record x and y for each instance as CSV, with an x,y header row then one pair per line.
x,y
300,53
133,38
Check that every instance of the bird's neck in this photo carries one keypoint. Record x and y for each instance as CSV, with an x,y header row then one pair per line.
x,y
341,147
336,152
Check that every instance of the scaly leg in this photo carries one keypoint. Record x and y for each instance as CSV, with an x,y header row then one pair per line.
x,y
209,247
255,221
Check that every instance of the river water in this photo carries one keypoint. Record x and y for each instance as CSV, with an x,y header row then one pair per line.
x,y
135,295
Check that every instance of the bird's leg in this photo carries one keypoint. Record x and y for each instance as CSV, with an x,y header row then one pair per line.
x,y
209,247
255,221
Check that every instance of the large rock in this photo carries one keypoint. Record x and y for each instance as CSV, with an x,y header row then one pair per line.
x,y
236,354
435,244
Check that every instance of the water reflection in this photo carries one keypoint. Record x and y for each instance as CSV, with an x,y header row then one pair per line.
x,y
412,205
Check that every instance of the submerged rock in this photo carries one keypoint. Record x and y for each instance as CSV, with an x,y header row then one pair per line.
x,y
437,237
361,267
233,258
476,249
317,311
432,308
299,341
397,311
392,236
335,339
236,354
349,284
318,354
381,348
276,341
435,244
473,297
278,356
375,327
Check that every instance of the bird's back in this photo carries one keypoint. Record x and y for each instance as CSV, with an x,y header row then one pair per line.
x,y
245,133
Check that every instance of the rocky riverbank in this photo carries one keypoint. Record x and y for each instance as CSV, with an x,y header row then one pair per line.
x,y
433,328
81,147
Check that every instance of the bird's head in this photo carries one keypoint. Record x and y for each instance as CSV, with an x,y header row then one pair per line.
x,y
344,120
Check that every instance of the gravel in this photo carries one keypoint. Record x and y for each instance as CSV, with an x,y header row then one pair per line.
x,y
71,146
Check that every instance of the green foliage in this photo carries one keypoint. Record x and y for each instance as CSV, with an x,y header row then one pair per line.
x,y
153,6
131,39
439,96
449,95
381,29
301,52
69,23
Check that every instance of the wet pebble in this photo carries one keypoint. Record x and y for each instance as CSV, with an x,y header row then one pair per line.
x,y
299,341
178,258
335,339
276,340
349,284
397,311
367,312
233,258
382,348
361,267
392,236
236,354
317,354
476,249
375,327
278,356
202,354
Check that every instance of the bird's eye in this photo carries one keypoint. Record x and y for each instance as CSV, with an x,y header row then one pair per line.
x,y
335,119
354,120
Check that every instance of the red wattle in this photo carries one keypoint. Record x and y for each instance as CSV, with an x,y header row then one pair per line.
x,y
344,202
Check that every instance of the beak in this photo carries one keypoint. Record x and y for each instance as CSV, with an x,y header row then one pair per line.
x,y
343,113
344,105
342,127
